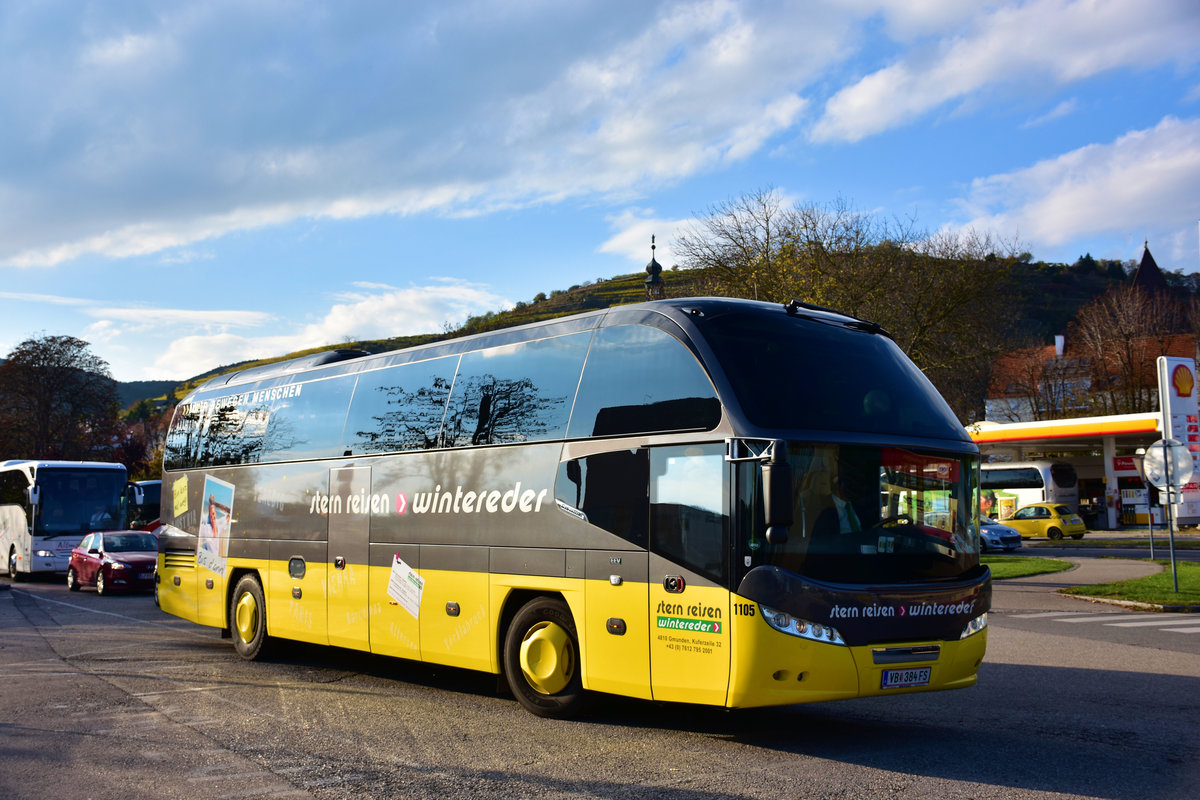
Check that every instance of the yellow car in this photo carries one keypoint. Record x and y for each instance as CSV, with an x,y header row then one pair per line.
x,y
1053,520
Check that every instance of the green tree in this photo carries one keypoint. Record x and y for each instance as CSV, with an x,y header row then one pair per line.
x,y
57,401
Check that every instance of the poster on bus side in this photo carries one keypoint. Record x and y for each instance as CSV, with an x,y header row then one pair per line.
x,y
215,520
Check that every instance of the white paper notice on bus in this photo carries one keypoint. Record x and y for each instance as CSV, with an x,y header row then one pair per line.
x,y
405,586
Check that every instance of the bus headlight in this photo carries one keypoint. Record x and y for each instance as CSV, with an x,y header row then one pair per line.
x,y
974,626
44,554
794,626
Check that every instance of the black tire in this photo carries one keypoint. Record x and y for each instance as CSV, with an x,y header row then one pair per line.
x,y
72,580
541,659
1054,533
101,584
13,575
248,619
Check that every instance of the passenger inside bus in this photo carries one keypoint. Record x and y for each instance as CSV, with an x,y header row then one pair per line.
x,y
845,512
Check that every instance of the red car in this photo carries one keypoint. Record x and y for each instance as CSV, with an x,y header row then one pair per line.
x,y
114,560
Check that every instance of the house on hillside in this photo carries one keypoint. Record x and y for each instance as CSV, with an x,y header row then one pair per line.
x,y
1109,366
1060,381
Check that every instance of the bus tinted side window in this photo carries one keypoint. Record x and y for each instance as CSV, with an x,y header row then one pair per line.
x,y
611,490
234,434
184,437
642,380
400,408
516,393
12,487
309,423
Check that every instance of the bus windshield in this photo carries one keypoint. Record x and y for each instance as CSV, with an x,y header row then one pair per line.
x,y
78,500
784,374
872,515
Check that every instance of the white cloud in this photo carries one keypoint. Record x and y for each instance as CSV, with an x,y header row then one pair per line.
x,y
1144,181
370,315
632,240
437,109
124,50
211,319
52,299
1063,109
1037,43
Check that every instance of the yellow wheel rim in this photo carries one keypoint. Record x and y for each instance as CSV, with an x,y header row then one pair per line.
x,y
246,617
547,658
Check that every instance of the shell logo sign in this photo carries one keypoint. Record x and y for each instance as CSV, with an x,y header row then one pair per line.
x,y
1182,381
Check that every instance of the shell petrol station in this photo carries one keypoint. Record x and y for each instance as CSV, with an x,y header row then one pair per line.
x,y
1111,491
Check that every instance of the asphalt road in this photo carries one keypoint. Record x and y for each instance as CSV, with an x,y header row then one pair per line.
x,y
106,697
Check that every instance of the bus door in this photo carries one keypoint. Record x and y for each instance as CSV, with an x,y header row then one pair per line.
x,y
689,560
348,565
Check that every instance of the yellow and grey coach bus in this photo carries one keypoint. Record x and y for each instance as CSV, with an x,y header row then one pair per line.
x,y
708,500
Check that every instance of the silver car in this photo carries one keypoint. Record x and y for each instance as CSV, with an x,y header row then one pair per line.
x,y
997,538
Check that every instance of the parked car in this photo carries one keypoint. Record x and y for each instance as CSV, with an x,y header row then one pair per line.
x,y
995,537
112,560
1053,520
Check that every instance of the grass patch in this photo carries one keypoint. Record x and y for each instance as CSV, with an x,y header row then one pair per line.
x,y
1157,589
1160,541
1021,566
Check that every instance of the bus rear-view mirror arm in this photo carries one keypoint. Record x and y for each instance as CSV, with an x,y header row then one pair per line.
x,y
777,494
776,484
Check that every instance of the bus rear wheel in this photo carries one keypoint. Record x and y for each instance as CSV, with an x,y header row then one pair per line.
x,y
541,659
1054,533
248,618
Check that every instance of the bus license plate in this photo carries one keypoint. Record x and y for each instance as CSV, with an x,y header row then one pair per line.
x,y
897,678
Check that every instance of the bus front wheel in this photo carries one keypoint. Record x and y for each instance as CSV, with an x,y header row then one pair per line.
x,y
541,659
248,618
13,575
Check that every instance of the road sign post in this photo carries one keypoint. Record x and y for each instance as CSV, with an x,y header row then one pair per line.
x,y
1168,466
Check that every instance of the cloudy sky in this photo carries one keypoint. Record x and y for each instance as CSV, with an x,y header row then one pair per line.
x,y
186,185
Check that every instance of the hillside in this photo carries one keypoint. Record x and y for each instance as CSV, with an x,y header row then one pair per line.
x,y
131,392
1045,297
621,290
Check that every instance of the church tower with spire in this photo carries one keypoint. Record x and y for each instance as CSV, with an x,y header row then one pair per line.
x,y
1148,276
656,287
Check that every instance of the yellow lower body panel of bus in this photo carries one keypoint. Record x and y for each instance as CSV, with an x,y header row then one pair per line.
x,y
772,668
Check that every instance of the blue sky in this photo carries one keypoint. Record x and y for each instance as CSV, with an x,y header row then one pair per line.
x,y
187,185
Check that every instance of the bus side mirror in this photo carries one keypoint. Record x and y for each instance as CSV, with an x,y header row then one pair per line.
x,y
34,493
137,495
777,497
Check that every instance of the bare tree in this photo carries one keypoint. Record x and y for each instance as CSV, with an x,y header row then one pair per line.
x,y
1123,332
934,293
744,244
57,400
